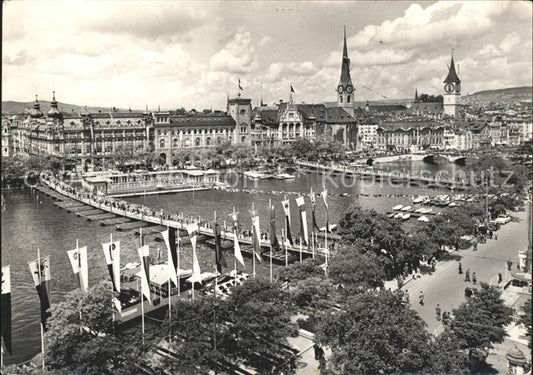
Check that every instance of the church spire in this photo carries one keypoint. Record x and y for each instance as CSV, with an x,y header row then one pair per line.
x,y
345,89
416,95
452,74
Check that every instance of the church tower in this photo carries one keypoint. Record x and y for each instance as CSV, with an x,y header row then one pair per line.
x,y
452,91
345,89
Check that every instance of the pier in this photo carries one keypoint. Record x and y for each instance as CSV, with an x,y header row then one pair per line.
x,y
397,177
125,219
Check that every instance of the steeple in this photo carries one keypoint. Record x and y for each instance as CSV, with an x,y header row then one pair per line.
x,y
345,87
35,112
416,95
452,74
54,112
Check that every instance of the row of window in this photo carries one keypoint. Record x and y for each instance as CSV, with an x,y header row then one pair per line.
x,y
197,142
195,131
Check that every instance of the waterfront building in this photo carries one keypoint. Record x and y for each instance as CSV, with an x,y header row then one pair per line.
x,y
172,132
7,144
402,135
452,91
368,134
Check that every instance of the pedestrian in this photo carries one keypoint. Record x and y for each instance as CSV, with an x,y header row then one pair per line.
x,y
460,268
421,298
509,264
467,275
406,296
495,236
500,277
438,312
474,279
433,265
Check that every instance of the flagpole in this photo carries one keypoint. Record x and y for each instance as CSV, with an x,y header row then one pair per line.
x,y
42,327
143,272
169,296
285,248
271,238
236,239
254,238
79,274
112,290
216,253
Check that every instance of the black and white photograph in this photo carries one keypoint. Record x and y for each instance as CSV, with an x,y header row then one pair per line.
x,y
266,187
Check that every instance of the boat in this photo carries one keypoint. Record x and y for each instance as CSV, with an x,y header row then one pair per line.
x,y
423,219
284,176
406,216
419,210
398,207
391,215
255,175
407,208
418,200
399,215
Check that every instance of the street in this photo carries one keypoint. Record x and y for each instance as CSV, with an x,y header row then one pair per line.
x,y
446,286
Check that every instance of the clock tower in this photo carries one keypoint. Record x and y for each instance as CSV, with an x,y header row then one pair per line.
x,y
345,89
452,91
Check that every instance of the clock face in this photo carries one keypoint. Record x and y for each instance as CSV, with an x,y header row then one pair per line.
x,y
340,89
349,89
458,87
448,88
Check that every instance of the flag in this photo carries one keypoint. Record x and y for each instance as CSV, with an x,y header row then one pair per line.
x,y
287,210
219,257
292,90
240,87
274,244
236,245
192,229
256,237
6,308
304,235
40,271
324,195
312,197
170,240
112,259
144,254
78,261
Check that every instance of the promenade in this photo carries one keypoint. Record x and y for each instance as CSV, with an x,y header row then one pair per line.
x,y
446,286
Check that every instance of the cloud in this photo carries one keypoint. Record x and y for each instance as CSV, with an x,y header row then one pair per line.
x,y
20,58
145,19
238,56
277,70
264,41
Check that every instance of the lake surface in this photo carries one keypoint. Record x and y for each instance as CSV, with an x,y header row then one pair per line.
x,y
28,226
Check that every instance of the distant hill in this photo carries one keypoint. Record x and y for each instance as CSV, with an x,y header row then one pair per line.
x,y
12,107
510,94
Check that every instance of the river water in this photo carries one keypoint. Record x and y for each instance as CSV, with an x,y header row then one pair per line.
x,y
28,225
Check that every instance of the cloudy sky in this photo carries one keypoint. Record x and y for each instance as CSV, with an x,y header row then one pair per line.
x,y
191,54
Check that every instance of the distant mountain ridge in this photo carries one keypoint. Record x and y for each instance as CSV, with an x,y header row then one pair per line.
x,y
523,93
13,107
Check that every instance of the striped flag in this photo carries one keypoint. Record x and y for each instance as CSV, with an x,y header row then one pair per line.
x,y
274,243
324,195
219,257
170,240
6,308
312,197
256,237
40,271
304,235
287,209
237,246
196,277
112,259
144,254
79,263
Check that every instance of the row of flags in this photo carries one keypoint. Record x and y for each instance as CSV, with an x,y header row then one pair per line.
x,y
40,267
241,88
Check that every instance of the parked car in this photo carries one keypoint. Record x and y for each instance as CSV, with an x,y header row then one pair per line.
x,y
503,219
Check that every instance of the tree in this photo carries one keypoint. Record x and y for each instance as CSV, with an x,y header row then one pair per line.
x,y
526,320
375,332
354,271
301,271
479,322
81,334
447,357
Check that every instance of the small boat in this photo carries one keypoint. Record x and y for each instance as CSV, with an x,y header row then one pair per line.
x,y
418,200
391,215
406,216
284,176
398,207
407,208
420,210
399,215
255,175
423,219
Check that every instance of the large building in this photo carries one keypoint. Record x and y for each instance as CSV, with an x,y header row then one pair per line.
x,y
452,91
